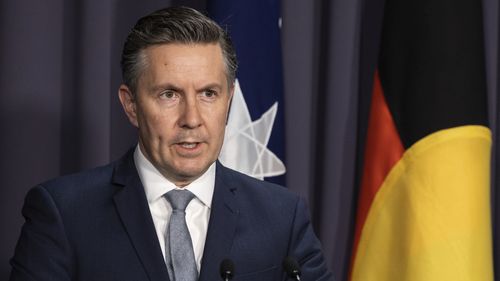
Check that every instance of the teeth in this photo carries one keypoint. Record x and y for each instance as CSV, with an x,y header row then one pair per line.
x,y
188,145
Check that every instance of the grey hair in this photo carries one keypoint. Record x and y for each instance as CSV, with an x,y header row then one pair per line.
x,y
173,25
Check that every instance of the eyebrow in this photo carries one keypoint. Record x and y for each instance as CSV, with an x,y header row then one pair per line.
x,y
211,86
167,86
170,86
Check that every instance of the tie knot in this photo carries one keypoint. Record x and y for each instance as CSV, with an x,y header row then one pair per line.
x,y
179,199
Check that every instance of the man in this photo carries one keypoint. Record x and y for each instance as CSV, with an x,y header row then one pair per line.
x,y
124,221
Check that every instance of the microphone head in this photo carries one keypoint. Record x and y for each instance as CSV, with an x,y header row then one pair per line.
x,y
227,269
291,267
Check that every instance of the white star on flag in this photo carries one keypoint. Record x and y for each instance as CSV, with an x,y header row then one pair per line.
x,y
245,142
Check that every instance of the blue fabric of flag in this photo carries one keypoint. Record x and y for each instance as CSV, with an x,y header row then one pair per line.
x,y
254,27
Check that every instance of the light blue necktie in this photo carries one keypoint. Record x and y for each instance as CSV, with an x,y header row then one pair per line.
x,y
181,263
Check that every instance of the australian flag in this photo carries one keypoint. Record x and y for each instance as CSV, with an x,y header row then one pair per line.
x,y
254,142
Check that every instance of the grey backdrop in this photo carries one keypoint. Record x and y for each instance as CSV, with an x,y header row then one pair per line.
x,y
59,74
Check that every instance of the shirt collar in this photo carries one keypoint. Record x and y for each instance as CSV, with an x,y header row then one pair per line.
x,y
156,185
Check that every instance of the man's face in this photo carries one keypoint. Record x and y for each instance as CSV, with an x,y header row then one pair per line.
x,y
180,107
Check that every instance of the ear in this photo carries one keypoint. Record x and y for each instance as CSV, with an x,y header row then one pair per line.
x,y
231,92
230,101
129,104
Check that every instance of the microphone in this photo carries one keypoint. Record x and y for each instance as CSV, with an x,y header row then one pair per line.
x,y
226,269
292,268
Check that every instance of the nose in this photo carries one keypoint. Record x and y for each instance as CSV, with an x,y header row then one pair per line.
x,y
190,117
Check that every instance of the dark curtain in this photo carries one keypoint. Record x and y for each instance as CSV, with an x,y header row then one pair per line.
x,y
59,113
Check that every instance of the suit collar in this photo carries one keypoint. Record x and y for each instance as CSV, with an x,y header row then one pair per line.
x,y
222,225
131,204
132,207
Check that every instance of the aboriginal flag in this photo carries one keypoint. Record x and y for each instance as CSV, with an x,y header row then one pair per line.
x,y
424,203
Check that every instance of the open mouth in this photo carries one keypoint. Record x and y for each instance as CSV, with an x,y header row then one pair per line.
x,y
189,145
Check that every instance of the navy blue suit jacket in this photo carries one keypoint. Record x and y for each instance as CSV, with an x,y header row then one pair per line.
x,y
96,225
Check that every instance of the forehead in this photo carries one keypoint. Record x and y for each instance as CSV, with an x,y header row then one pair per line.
x,y
178,58
176,62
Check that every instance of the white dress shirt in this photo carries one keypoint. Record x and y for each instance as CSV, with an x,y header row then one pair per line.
x,y
197,211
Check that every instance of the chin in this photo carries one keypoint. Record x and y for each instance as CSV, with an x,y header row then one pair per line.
x,y
192,171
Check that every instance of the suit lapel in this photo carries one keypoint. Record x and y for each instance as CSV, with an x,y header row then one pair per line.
x,y
222,225
132,207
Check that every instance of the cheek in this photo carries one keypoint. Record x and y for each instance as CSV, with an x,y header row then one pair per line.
x,y
220,127
155,123
214,124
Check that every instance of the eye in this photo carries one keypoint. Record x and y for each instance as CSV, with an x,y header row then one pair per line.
x,y
209,93
167,94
